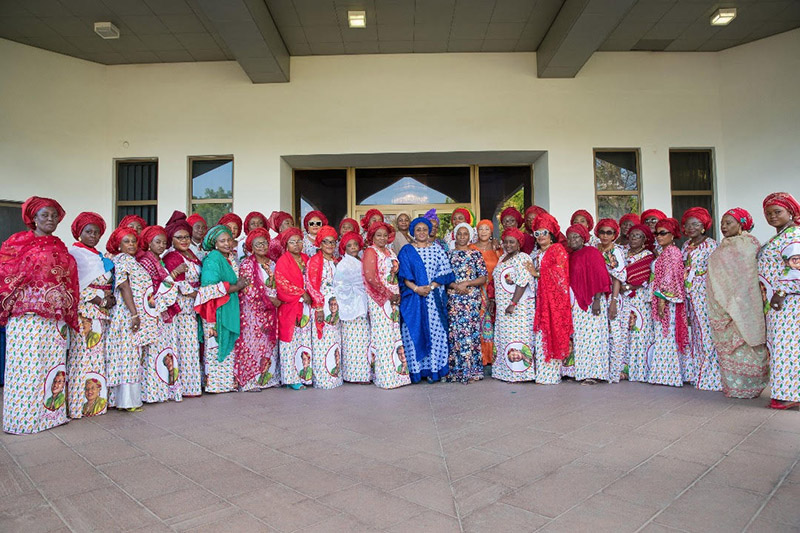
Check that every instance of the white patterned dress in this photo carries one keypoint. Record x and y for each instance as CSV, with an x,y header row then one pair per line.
x,y
638,312
357,367
326,359
547,372
618,327
663,356
513,334
160,368
219,374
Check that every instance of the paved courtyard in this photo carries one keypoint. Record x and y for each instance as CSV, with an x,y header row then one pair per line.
x,y
445,457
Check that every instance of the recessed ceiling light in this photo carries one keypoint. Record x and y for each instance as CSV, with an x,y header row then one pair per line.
x,y
723,16
357,19
106,30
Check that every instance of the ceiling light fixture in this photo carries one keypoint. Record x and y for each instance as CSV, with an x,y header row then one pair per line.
x,y
106,30
723,16
357,19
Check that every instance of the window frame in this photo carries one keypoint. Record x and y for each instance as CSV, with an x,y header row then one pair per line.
x,y
191,202
697,192
117,203
598,193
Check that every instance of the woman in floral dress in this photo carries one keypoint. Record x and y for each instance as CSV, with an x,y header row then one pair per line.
x,y
486,246
351,295
702,366
514,298
35,264
86,359
464,307
670,329
585,219
626,222
607,231
234,223
380,279
326,336
312,222
778,265
638,295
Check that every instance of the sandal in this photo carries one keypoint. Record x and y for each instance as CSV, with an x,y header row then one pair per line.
x,y
783,406
296,386
134,409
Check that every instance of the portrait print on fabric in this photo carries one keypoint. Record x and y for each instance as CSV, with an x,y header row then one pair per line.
x,y
399,359
54,394
518,356
95,391
302,361
167,367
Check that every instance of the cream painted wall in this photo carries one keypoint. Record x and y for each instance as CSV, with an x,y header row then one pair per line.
x,y
69,118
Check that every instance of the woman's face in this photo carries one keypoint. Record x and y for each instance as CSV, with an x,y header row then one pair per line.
x,y
664,238
375,218
313,225
606,235
260,247
729,226
255,222
346,227
294,245
233,226
91,390
484,233
199,230
46,220
135,224
625,226
128,245
90,235
352,248
543,238
403,221
457,218
159,244
510,245
421,232
693,228
529,218
435,230
181,240
777,216
580,219
58,383
636,239
380,238
462,237
509,222
574,241
224,243
328,246
286,224
651,221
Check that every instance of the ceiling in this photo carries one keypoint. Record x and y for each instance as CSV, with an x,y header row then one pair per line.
x,y
262,34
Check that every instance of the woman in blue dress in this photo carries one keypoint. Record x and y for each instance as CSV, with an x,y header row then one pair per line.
x,y
424,274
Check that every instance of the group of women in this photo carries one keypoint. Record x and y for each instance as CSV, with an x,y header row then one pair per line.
x,y
171,312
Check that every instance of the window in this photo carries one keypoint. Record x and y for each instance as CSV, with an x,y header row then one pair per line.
x,y
692,182
617,183
11,219
137,189
321,190
211,186
502,187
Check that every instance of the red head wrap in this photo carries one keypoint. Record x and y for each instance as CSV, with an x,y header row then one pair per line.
x,y
253,235
288,234
375,227
632,217
514,212
115,239
231,217
313,214
83,220
609,223
250,216
352,221
148,234
465,212
129,219
324,231
536,210
515,233
585,214
700,213
742,216
347,237
34,204
176,223
548,222
649,238
581,230
671,225
277,218
195,218
649,213
365,220
786,201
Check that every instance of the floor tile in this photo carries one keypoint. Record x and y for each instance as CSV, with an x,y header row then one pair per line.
x,y
373,507
502,517
708,506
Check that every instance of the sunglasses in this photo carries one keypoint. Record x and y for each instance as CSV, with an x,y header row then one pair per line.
x,y
606,232
181,237
662,233
540,233
317,223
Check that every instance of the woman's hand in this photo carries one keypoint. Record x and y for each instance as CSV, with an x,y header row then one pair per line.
x,y
394,299
319,315
136,323
276,302
531,269
183,268
240,284
612,309
776,302
510,308
423,290
662,304
306,298
596,306
490,307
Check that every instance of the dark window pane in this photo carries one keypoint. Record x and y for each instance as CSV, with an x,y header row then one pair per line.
x,y
412,186
212,212
501,187
616,171
137,180
212,179
681,203
616,206
321,190
148,212
11,220
690,171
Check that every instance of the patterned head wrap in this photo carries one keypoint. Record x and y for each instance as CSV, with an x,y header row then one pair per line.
x,y
700,213
350,236
671,225
649,213
649,238
250,216
324,231
176,223
231,217
314,214
742,216
430,215
585,214
83,220
514,212
548,222
195,218
288,234
352,222
277,218
467,215
34,204
515,233
420,220
469,229
630,217
371,213
128,220
115,239
609,223
253,235
378,225
786,201
581,230
210,240
148,234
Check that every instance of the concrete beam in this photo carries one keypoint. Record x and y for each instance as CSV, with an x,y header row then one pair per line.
x,y
577,32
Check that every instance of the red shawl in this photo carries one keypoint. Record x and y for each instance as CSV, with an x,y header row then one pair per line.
x,y
257,315
669,282
174,259
588,275
315,266
41,269
638,272
158,274
553,314
290,285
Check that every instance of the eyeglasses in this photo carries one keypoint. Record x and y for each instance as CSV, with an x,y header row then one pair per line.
x,y
294,242
181,237
606,232
260,244
540,233
317,223
662,233
329,242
